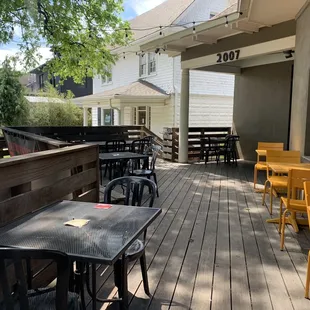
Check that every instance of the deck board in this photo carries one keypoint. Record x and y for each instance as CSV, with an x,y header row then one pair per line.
x,y
211,247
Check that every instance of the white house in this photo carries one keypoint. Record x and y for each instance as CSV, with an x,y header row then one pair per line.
x,y
144,87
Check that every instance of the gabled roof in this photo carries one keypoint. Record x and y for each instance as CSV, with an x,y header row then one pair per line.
x,y
163,14
139,89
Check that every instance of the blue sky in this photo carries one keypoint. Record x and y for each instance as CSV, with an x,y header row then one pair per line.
x,y
132,9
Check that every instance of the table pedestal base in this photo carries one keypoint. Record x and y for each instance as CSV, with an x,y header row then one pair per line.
x,y
292,221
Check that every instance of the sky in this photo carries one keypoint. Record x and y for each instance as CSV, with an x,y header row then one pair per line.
x,y
132,9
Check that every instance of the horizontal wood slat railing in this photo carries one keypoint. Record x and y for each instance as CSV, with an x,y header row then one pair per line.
x,y
3,148
40,179
196,137
57,137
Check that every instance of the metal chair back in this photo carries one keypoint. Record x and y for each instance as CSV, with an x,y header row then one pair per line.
x,y
19,258
115,146
140,145
156,149
133,189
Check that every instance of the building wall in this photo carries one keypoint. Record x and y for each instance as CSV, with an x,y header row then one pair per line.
x,y
300,120
261,106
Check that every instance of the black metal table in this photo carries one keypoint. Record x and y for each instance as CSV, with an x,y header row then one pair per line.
x,y
110,158
104,240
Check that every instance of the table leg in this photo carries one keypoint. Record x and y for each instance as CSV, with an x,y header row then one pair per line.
x,y
94,284
124,283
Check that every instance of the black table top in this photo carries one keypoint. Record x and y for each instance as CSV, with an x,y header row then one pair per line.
x,y
121,155
103,143
104,239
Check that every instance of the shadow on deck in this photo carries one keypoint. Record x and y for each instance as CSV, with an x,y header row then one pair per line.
x,y
211,247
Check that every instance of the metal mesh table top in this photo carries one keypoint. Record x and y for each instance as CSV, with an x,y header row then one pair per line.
x,y
121,155
104,239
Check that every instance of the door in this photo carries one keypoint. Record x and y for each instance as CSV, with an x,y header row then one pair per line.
x,y
142,116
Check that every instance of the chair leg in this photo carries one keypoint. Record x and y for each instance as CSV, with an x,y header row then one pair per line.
x,y
264,194
308,278
144,274
283,230
280,215
155,180
255,177
271,198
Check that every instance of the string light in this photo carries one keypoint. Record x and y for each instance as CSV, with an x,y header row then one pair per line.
x,y
160,33
194,28
226,24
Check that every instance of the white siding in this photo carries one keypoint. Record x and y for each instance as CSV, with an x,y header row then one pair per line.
x,y
162,117
126,71
94,116
208,111
206,83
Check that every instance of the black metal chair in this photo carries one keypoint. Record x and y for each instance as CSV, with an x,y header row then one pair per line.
x,y
141,146
21,296
229,150
148,173
211,149
113,146
134,189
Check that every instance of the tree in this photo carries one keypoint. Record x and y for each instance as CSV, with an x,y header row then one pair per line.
x,y
79,32
58,111
13,106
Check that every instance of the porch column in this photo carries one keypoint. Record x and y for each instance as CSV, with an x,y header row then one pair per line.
x,y
85,116
184,115
121,116
300,117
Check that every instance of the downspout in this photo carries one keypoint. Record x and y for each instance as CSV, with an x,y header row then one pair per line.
x,y
119,112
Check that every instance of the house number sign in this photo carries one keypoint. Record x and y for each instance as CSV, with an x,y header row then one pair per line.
x,y
228,56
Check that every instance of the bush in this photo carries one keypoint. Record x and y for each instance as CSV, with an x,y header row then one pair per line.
x,y
59,111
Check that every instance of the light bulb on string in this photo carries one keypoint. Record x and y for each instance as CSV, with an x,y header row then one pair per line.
x,y
124,55
194,28
226,24
160,33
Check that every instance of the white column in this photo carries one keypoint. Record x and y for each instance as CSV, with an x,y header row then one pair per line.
x,y
184,116
121,116
85,116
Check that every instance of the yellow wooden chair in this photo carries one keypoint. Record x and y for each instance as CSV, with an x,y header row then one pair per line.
x,y
276,181
307,194
261,165
296,179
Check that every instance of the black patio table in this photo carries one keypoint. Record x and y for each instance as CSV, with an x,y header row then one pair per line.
x,y
104,239
113,157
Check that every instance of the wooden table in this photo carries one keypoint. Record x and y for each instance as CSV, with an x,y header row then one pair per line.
x,y
283,168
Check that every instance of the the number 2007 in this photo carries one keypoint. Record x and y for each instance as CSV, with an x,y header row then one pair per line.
x,y
228,56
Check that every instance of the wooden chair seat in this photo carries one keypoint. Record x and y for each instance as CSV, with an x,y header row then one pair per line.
x,y
295,204
278,181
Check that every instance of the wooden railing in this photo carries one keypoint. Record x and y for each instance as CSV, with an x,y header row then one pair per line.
x,y
22,142
196,138
57,137
3,148
36,180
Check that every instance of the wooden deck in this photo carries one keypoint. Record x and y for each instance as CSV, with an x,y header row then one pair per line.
x,y
211,248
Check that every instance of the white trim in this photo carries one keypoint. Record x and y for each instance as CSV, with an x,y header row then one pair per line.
x,y
213,23
245,52
303,8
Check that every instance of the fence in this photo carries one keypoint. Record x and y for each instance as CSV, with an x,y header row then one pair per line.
x,y
3,148
196,138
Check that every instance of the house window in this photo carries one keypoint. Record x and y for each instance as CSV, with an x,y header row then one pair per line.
x,y
107,79
41,80
142,116
142,63
152,63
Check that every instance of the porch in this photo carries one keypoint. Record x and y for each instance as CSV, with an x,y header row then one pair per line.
x,y
211,247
